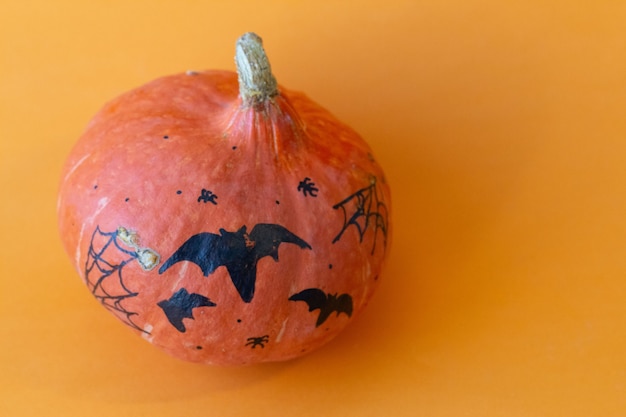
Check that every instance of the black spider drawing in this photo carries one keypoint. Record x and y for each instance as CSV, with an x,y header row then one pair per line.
x,y
207,196
253,342
306,186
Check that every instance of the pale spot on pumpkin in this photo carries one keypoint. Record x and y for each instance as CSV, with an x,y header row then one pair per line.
x,y
181,276
147,332
281,332
75,166
367,272
102,203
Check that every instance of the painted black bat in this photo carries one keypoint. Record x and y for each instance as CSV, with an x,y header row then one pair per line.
x,y
180,306
325,303
238,251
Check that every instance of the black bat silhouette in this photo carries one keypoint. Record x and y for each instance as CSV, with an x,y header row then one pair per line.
x,y
325,303
180,306
238,251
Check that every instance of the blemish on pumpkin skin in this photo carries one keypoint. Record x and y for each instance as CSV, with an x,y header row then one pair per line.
x,y
148,258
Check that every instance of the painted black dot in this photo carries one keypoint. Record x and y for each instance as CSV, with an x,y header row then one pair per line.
x,y
277,202
330,266
234,147
95,187
166,137
238,320
199,347
126,199
179,192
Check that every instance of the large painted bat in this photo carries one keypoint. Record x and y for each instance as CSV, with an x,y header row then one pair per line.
x,y
238,251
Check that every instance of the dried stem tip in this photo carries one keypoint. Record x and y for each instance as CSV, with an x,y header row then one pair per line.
x,y
256,81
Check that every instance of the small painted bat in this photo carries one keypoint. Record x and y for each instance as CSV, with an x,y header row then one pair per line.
x,y
238,251
180,306
325,303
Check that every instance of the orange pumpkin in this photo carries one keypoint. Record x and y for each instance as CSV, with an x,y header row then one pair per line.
x,y
223,218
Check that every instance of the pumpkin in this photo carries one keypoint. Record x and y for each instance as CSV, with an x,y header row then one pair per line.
x,y
225,219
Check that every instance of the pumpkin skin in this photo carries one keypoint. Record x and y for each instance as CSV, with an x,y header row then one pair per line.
x,y
221,230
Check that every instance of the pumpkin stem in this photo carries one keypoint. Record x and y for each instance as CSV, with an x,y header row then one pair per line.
x,y
256,81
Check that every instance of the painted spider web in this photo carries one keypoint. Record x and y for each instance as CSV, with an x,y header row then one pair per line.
x,y
365,211
105,263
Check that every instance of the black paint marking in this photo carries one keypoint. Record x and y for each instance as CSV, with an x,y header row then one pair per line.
x,y
306,186
238,251
253,342
166,137
277,202
103,274
207,196
179,192
234,147
238,320
95,187
330,266
363,209
126,199
180,306
317,299
199,347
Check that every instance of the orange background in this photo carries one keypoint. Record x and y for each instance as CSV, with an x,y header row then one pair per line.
x,y
501,127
